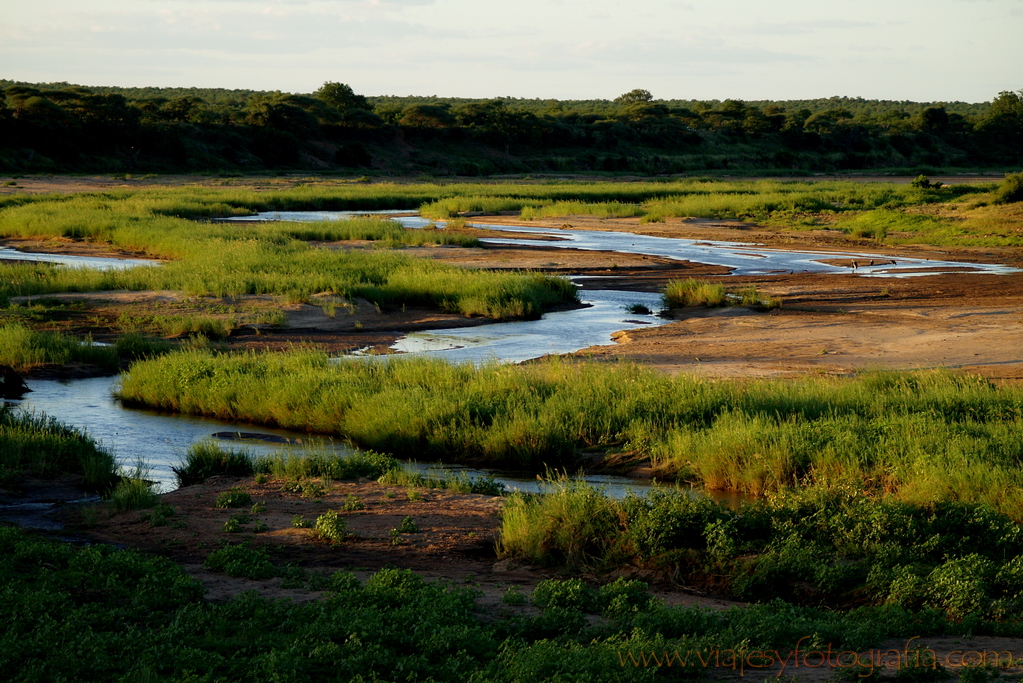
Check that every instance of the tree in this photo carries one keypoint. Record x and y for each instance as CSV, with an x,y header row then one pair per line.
x,y
426,116
634,96
341,97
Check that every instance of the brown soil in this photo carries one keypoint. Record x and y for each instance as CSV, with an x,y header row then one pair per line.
x,y
456,541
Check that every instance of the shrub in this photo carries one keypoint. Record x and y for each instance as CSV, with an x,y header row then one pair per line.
x,y
234,498
1011,189
564,594
513,596
352,503
300,522
241,560
407,526
159,515
331,527
621,597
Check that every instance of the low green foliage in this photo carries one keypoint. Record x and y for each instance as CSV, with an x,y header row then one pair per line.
x,y
96,613
331,527
300,522
565,594
241,560
352,503
513,596
234,498
159,516
827,546
407,526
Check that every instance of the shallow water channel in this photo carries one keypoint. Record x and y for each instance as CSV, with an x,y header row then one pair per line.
x,y
159,440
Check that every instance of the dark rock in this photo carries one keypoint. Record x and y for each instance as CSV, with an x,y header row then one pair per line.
x,y
12,386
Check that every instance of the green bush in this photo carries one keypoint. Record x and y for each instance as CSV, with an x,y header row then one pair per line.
x,y
407,526
241,560
352,503
1011,189
622,597
564,594
234,498
331,527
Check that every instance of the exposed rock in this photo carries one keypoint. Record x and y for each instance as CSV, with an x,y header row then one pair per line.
x,y
12,386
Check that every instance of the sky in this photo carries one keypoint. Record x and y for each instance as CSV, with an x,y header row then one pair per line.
x,y
917,50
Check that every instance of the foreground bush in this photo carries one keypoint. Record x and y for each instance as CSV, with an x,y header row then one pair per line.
x,y
827,547
96,613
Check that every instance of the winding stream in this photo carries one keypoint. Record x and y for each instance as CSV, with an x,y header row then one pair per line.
x,y
160,440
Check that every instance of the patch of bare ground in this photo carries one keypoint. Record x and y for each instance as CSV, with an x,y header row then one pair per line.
x,y
456,539
840,324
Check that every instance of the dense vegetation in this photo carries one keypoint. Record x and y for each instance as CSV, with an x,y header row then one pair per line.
x,y
921,437
63,127
820,545
91,613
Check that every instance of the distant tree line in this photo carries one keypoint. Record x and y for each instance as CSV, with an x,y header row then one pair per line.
x,y
63,127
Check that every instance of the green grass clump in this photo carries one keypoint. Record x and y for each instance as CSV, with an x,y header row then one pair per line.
x,y
357,465
38,446
133,493
227,259
693,293
206,459
23,349
459,482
